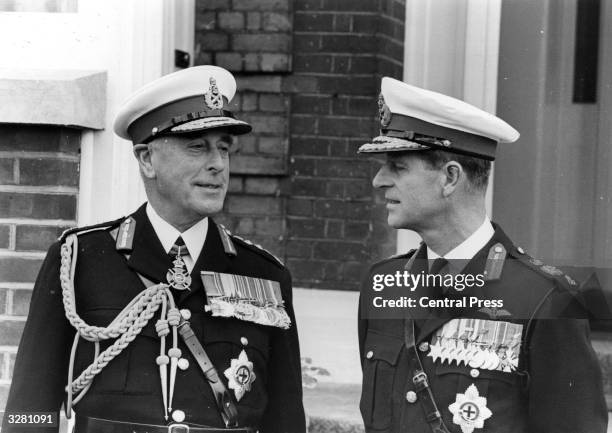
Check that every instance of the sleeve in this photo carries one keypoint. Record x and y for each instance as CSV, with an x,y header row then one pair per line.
x,y
362,321
566,387
40,372
362,328
285,410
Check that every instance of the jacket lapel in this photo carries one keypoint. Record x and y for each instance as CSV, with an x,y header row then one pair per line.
x,y
475,266
148,257
212,258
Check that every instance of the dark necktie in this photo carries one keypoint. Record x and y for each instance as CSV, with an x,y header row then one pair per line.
x,y
437,265
436,268
178,249
178,277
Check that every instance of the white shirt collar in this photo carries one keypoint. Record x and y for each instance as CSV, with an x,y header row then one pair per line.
x,y
469,247
193,237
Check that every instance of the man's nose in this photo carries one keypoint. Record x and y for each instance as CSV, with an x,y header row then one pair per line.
x,y
215,160
381,180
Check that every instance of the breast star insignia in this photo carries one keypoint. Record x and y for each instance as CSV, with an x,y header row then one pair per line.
x,y
470,410
240,375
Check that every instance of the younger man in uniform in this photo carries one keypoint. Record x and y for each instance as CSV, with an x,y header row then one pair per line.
x,y
447,363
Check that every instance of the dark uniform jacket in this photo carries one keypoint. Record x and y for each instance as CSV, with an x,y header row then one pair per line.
x,y
129,388
555,387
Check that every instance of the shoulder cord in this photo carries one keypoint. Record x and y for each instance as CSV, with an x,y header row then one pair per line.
x,y
126,326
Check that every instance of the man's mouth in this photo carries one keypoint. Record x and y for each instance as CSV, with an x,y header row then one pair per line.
x,y
211,186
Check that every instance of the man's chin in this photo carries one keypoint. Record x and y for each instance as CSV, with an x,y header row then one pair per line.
x,y
396,223
208,209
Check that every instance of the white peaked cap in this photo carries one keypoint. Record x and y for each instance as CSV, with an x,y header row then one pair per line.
x,y
415,119
188,100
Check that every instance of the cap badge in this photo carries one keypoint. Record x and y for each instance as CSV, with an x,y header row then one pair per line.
x,y
470,410
240,375
384,112
213,98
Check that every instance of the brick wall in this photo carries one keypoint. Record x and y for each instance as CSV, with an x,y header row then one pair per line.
x,y
316,209
335,222
39,172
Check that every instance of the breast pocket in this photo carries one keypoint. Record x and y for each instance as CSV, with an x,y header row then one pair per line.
x,y
501,392
240,351
483,379
379,371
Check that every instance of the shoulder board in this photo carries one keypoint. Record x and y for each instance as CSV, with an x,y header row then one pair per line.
x,y
395,257
267,254
547,271
403,255
495,262
82,230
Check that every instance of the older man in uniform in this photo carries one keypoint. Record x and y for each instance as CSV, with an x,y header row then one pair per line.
x,y
508,352
175,324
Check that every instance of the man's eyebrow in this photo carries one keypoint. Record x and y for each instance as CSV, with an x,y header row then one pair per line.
x,y
227,137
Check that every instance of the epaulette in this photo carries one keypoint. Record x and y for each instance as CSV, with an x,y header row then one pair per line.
x,y
407,255
86,229
267,254
548,271
401,256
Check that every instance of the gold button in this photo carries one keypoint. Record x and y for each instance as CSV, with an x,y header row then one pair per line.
x,y
185,314
370,354
424,346
244,341
474,372
411,397
520,250
154,130
178,415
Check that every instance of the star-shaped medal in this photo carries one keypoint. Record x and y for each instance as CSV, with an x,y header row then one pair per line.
x,y
240,375
434,351
470,410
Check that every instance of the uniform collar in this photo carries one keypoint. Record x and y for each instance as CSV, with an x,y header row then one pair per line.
x,y
193,237
467,249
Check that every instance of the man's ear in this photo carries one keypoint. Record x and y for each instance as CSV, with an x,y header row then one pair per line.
x,y
453,172
143,153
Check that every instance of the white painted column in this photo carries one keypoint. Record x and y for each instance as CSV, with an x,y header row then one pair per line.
x,y
451,46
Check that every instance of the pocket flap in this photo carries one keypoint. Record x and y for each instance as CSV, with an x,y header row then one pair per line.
x,y
442,369
383,347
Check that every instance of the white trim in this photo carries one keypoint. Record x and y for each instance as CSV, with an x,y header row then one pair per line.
x,y
36,222
452,47
85,204
7,318
24,154
482,54
28,255
16,286
27,189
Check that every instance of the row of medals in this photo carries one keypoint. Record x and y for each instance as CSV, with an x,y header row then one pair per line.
x,y
268,314
473,356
